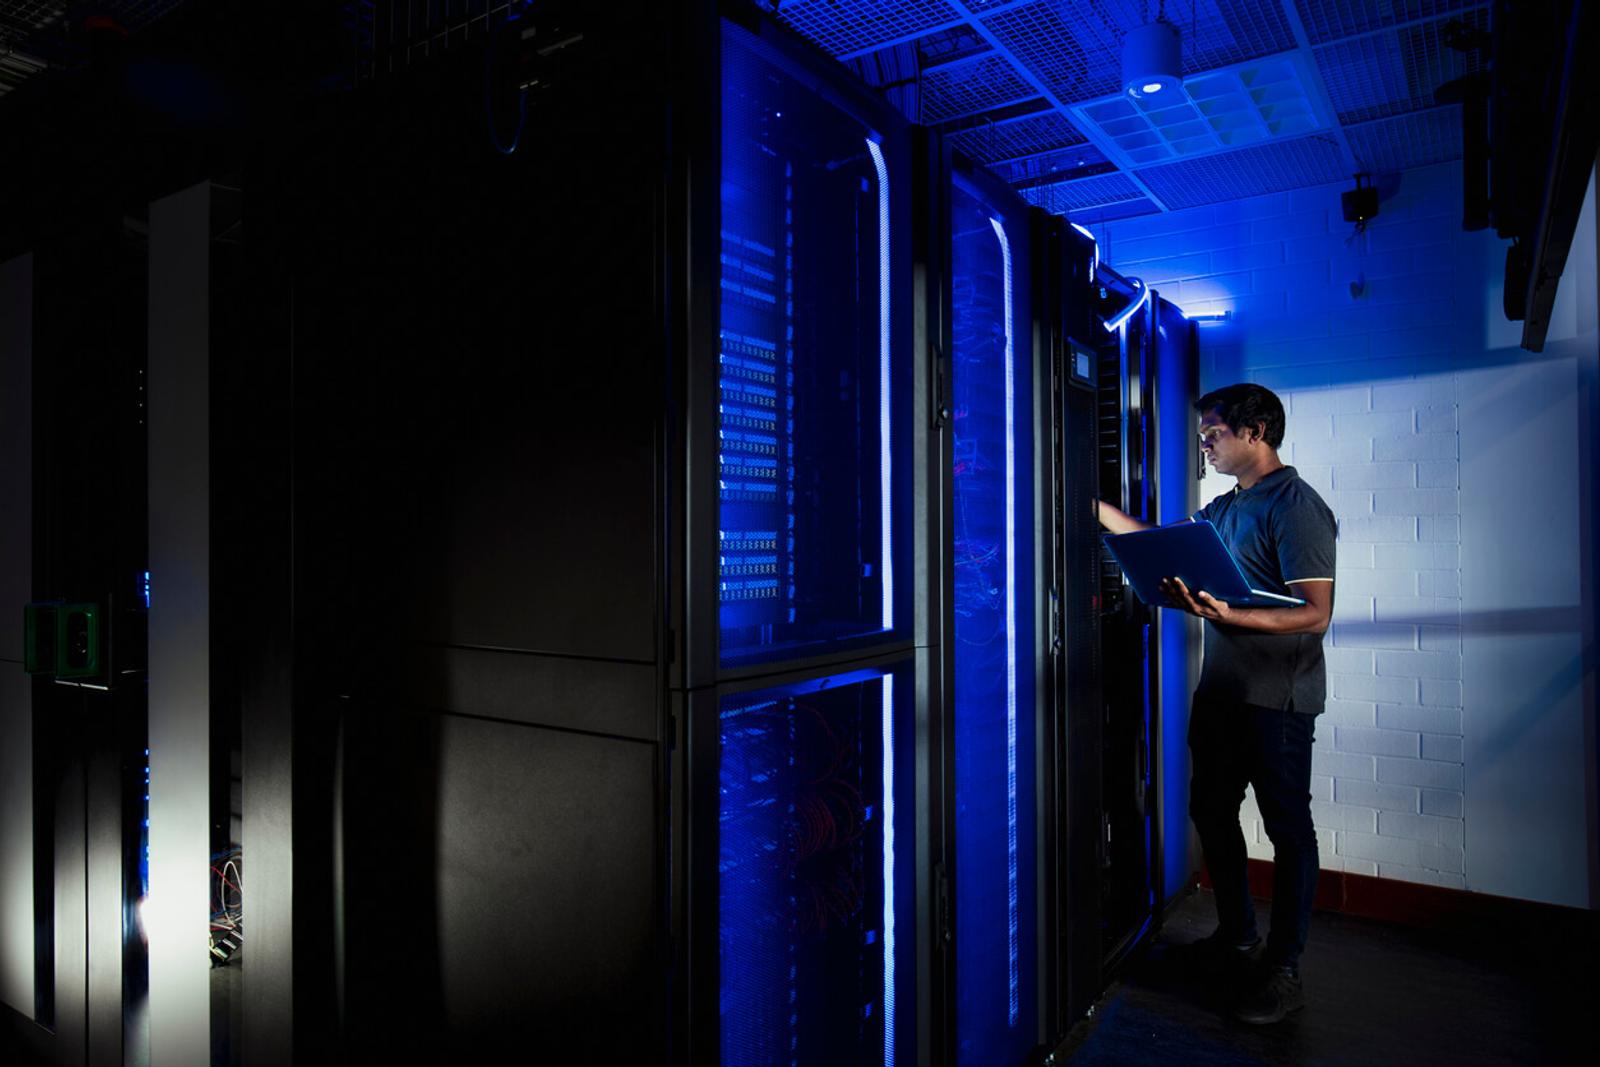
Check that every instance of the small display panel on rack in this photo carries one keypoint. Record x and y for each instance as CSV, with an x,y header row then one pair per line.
x,y
805,463
815,890
996,986
1082,366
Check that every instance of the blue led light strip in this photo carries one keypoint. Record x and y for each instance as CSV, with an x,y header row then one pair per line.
x,y
1118,320
888,870
1013,952
1095,267
883,379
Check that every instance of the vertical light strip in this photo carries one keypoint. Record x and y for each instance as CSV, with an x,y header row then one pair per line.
x,y
16,589
888,870
178,908
1013,972
887,556
1094,267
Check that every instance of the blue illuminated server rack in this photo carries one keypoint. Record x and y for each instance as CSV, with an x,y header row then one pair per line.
x,y
996,614
798,805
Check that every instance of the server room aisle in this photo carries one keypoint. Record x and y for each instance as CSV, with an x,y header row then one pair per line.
x,y
1377,994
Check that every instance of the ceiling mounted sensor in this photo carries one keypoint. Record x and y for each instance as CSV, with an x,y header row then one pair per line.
x,y
1152,58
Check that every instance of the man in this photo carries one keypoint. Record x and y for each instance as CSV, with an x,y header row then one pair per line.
x,y
1261,688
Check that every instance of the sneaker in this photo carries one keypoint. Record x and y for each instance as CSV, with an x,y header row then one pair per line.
x,y
1275,994
1216,954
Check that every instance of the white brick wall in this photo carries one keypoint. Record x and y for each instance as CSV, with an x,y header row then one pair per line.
x,y
1371,396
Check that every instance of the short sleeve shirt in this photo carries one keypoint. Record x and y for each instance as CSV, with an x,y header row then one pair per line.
x,y
1281,533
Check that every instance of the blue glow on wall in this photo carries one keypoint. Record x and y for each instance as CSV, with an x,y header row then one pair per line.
x,y
993,699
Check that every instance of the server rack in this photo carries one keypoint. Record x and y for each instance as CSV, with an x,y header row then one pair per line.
x,y
1064,263
619,451
83,560
1148,459
996,620
1178,467
1126,449
812,875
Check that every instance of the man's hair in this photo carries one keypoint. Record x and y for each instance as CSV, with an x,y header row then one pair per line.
x,y
1246,406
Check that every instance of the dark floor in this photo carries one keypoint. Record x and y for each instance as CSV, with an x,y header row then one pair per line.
x,y
1377,994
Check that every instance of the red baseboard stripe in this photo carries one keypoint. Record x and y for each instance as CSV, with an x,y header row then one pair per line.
x,y
1427,906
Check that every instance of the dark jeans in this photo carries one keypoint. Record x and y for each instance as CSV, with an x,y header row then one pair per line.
x,y
1238,744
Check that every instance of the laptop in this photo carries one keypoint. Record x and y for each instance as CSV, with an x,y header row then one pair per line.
x,y
1194,552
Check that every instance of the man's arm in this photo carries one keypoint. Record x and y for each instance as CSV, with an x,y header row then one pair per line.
x,y
1311,618
1116,520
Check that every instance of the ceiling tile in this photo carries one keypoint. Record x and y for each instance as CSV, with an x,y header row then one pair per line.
x,y
970,87
1076,48
1075,162
1328,20
841,27
1261,100
1268,168
1021,137
1065,196
1393,71
1421,138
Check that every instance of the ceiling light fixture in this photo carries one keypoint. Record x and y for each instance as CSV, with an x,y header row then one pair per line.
x,y
1152,57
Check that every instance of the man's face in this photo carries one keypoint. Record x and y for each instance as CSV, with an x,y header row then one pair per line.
x,y
1223,449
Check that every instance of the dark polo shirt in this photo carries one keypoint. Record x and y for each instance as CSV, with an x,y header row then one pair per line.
x,y
1280,531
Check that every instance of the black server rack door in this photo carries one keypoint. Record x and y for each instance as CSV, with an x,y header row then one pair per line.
x,y
1083,766
1130,657
812,454
478,410
1073,767
478,354
993,650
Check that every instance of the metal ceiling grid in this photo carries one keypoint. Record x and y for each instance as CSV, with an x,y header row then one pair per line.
x,y
19,23
1393,71
1262,100
1329,20
1126,209
970,87
1406,141
846,27
1076,48
1364,76
18,18
1040,39
35,36
978,7
950,46
136,13
1115,188
1028,136
1255,171
1074,163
